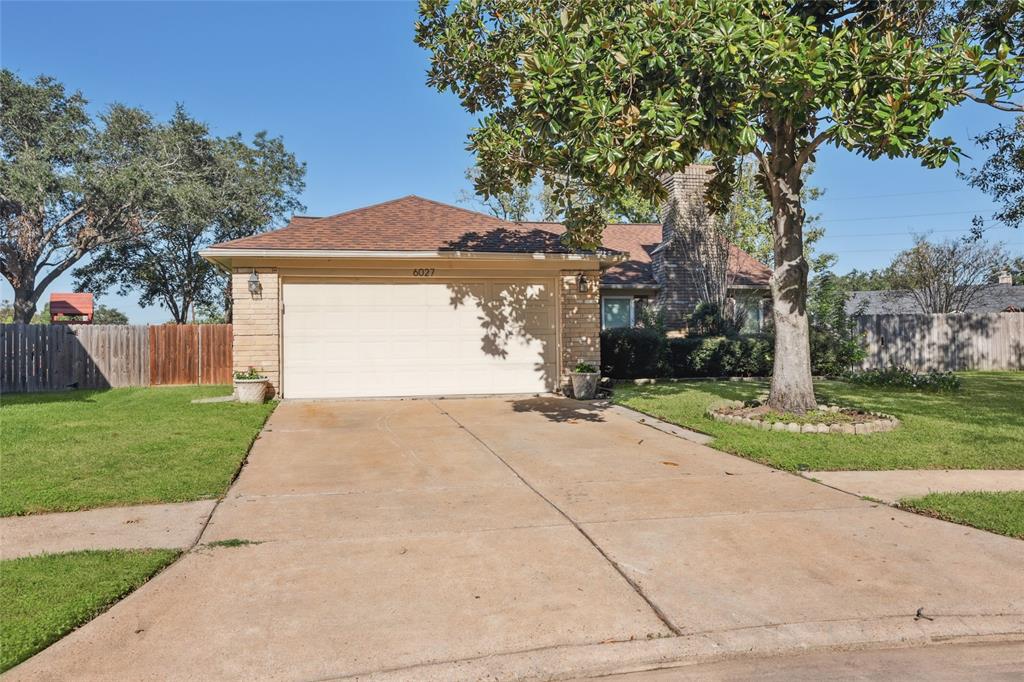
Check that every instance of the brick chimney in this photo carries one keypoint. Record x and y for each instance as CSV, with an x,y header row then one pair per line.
x,y
690,263
684,206
1005,277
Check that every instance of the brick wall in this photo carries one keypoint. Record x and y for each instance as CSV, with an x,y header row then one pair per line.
x,y
581,322
256,324
690,264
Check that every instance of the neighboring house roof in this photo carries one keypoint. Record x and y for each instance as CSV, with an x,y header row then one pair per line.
x,y
75,304
442,227
994,299
385,227
640,240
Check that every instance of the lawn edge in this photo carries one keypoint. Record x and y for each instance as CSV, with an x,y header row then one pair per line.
x,y
907,504
176,556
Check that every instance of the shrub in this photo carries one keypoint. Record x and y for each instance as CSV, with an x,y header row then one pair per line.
x,y
584,368
632,353
719,356
708,320
901,377
836,345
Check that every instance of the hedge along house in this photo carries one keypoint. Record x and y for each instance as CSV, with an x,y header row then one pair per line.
x,y
412,297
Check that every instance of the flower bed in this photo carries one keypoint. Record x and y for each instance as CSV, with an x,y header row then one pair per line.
x,y
826,419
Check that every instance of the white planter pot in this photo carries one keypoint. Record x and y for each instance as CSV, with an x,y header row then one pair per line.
x,y
251,390
584,384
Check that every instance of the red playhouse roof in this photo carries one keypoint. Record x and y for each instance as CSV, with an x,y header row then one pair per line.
x,y
76,305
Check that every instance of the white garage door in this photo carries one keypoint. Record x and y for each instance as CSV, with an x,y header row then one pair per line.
x,y
437,338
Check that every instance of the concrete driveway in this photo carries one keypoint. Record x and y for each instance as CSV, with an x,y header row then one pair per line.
x,y
540,537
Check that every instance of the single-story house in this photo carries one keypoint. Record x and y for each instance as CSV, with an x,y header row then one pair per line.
x,y
415,297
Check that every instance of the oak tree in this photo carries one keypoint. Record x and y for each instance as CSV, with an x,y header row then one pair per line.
x,y
68,184
221,189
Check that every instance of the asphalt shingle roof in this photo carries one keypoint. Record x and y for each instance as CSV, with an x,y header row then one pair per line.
x,y
442,227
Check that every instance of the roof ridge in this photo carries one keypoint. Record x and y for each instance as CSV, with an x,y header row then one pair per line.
x,y
460,208
366,208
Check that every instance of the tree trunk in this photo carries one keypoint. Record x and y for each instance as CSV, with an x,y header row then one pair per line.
x,y
792,389
24,305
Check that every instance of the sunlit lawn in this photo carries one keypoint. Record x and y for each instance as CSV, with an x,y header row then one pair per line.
x,y
43,598
999,512
980,427
81,449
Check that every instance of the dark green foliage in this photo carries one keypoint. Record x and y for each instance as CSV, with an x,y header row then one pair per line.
x,y
709,320
719,357
632,353
645,353
836,344
901,377
584,368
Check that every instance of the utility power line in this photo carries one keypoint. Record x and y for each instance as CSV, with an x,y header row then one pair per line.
x,y
925,232
894,194
897,249
896,217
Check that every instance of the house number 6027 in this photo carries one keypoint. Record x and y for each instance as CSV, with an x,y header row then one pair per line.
x,y
423,272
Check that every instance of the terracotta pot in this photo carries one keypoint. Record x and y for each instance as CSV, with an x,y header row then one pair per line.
x,y
584,384
251,390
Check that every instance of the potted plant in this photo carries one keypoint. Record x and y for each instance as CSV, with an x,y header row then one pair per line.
x,y
584,381
250,386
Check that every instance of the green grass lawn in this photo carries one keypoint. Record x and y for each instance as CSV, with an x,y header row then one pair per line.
x,y
43,598
980,427
82,449
999,512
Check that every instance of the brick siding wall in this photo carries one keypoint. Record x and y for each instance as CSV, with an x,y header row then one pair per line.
x,y
581,322
256,324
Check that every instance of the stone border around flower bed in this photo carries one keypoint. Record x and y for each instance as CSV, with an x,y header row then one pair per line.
x,y
880,424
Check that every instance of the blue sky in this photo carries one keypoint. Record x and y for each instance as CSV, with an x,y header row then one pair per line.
x,y
343,83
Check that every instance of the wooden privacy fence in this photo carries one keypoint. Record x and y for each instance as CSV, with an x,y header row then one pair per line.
x,y
39,357
944,342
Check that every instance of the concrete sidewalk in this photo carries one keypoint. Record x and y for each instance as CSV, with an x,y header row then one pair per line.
x,y
173,526
530,538
892,486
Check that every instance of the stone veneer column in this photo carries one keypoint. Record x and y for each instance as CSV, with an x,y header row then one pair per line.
x,y
581,322
256,324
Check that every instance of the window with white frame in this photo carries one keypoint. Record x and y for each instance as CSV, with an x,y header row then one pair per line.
x,y
617,312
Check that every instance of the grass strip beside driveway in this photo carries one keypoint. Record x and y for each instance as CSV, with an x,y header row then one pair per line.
x,y
980,427
83,449
998,512
42,598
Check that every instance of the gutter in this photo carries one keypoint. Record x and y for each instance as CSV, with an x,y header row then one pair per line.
x,y
214,255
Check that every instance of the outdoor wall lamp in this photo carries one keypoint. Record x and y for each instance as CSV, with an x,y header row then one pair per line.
x,y
254,283
582,283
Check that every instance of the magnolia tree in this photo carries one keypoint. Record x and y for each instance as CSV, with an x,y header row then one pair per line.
x,y
614,93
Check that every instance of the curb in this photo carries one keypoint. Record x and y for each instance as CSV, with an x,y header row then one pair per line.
x,y
610,658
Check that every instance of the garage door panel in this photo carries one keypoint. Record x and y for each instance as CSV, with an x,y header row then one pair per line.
x,y
390,339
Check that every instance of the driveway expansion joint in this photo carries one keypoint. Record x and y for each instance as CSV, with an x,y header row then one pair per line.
x,y
662,616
